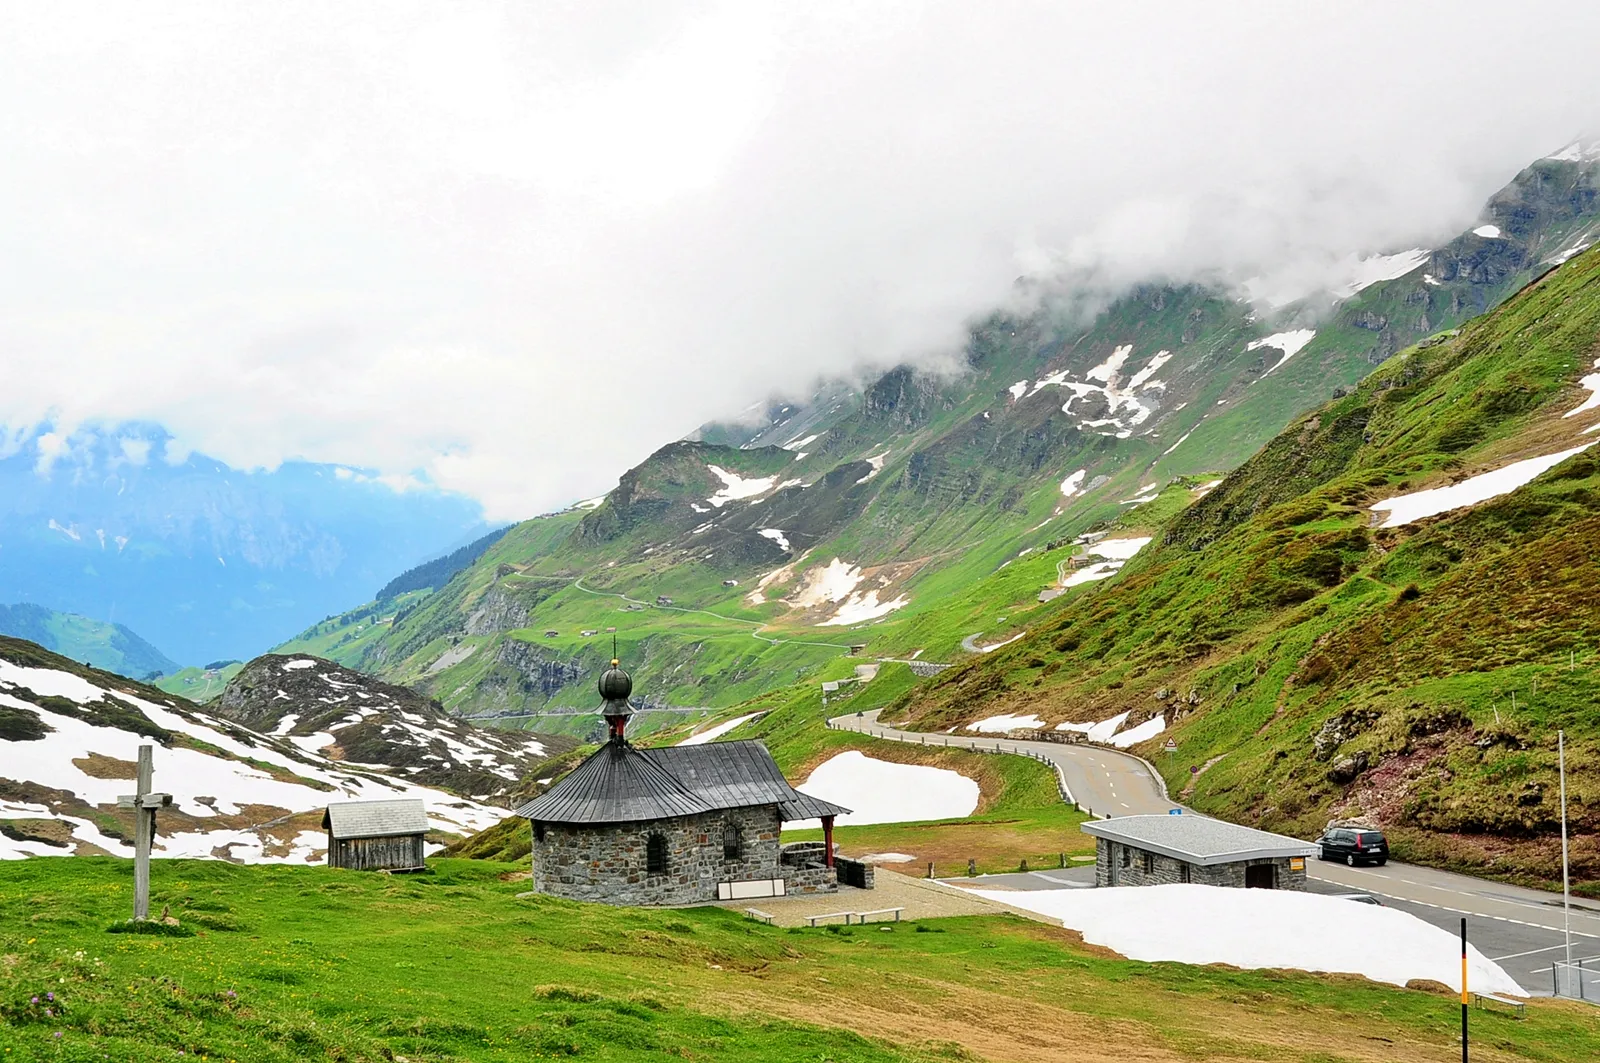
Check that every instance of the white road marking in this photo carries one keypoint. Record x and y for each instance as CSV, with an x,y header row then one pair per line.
x,y
1530,952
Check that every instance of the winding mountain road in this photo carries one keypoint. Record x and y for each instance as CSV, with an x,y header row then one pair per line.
x,y
1519,928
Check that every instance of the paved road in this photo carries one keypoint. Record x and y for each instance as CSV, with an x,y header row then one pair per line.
x,y
1101,781
1519,928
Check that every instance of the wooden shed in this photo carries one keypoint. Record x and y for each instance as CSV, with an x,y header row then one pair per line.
x,y
376,835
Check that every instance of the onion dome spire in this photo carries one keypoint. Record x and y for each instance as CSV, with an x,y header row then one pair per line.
x,y
615,687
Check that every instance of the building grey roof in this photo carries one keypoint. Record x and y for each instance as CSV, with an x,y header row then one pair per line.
x,y
739,774
621,784
375,819
1197,839
617,784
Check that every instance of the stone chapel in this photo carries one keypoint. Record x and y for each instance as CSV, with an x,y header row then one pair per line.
x,y
677,824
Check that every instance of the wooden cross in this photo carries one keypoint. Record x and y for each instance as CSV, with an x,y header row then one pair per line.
x,y
144,803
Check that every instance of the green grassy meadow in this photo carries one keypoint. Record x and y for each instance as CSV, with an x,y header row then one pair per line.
x,y
307,963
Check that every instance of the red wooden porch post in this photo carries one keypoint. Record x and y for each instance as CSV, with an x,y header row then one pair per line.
x,y
827,838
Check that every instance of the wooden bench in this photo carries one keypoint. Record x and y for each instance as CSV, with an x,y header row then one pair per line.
x,y
758,915
812,919
862,917
1491,1002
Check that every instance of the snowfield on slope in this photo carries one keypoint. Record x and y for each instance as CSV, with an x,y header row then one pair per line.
x,y
881,791
1290,343
245,799
736,488
711,734
1257,929
1008,722
1404,509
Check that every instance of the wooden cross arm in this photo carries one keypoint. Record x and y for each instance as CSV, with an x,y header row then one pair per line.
x,y
148,801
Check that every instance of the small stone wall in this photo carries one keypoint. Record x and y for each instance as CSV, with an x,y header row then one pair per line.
x,y
798,880
805,868
1117,864
609,863
854,872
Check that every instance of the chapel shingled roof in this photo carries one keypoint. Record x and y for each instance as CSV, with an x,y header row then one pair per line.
x,y
621,784
617,784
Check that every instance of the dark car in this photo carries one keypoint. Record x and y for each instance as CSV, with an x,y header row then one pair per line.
x,y
1354,845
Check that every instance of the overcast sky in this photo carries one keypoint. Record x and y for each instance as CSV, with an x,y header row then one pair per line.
x,y
514,248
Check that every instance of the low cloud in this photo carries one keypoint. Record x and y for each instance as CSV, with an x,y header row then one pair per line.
x,y
510,249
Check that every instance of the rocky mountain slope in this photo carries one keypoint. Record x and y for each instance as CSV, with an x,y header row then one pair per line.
x,y
113,647
205,561
69,739
922,509
341,715
1386,615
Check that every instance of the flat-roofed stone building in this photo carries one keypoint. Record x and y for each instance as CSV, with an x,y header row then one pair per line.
x,y
674,825
1156,850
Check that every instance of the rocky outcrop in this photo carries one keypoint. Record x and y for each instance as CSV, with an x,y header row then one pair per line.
x,y
496,611
540,672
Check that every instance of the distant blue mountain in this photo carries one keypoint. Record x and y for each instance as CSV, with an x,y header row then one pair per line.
x,y
205,560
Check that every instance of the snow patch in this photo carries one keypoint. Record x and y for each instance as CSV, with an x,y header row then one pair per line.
x,y
830,583
1008,722
1488,232
879,791
796,444
876,461
1290,343
298,664
1117,549
590,503
1403,509
1018,388
736,488
1073,485
1592,382
1263,929
859,608
777,536
1102,731
1369,271
1134,735
1161,358
711,734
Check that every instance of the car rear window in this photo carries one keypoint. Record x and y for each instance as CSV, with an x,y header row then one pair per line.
x,y
1371,837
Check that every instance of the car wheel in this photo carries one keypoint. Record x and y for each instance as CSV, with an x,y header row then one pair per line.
x,y
1351,859
1382,861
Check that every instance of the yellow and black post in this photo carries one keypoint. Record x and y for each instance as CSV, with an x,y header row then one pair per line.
x,y
1463,989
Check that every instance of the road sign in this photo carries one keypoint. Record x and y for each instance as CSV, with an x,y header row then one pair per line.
x,y
1174,811
1171,746
1194,769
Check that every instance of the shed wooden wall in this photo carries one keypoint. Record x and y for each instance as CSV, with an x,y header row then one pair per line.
x,y
398,853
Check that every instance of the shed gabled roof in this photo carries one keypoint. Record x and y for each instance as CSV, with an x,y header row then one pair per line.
x,y
375,819
620,784
617,784
1197,839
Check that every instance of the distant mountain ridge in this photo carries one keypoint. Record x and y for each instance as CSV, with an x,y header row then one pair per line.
x,y
113,647
905,515
118,523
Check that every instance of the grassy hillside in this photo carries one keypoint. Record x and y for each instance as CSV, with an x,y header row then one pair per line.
x,y
94,642
298,963
1314,665
921,509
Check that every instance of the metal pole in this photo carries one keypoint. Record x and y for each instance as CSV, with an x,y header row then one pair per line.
x,y
1463,989
1566,895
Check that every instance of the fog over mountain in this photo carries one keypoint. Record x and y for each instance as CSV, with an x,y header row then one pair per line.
x,y
511,249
